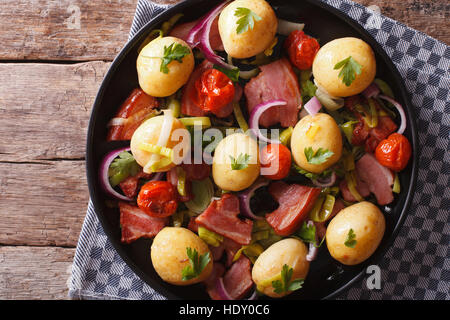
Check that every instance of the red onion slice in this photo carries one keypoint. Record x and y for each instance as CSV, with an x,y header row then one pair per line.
x,y
371,91
220,287
400,110
313,106
103,174
328,182
256,114
245,197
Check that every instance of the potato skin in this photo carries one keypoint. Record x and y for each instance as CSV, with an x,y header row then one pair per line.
x,y
253,41
368,224
169,257
269,264
148,132
151,79
328,137
336,51
235,145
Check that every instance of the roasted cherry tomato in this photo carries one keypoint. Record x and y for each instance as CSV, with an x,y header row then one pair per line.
x,y
275,158
301,49
394,152
214,90
158,199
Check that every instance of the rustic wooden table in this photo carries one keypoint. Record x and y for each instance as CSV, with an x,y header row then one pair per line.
x,y
54,55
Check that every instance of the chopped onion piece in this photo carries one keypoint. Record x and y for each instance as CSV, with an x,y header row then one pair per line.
x,y
313,106
400,110
330,102
371,91
223,293
328,182
256,114
245,197
103,174
312,252
286,27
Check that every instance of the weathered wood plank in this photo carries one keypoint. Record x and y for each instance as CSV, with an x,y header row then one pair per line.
x,y
45,108
34,272
42,203
81,30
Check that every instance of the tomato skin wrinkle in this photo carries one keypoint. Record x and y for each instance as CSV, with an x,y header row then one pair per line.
x,y
301,49
276,154
214,90
394,152
158,199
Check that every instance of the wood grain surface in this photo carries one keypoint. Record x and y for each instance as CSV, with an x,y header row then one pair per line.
x,y
53,57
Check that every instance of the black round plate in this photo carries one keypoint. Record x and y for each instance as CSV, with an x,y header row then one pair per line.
x,y
326,277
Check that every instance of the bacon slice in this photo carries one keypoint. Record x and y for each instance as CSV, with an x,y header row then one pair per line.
x,y
295,201
238,279
135,109
190,108
222,217
378,178
361,187
196,171
277,80
136,224
217,252
216,273
231,248
182,31
129,186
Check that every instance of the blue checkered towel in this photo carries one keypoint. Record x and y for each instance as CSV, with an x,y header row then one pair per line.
x,y
417,266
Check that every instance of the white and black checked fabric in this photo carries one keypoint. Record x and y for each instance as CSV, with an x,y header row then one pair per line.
x,y
417,266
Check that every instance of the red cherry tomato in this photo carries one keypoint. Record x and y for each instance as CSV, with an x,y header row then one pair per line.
x,y
394,152
158,199
214,90
277,157
301,49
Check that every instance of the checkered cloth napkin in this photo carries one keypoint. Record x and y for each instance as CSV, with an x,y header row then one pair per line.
x,y
417,266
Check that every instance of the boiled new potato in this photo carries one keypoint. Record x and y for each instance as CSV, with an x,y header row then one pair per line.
x,y
253,41
269,264
335,51
318,131
367,224
236,148
169,257
152,80
149,131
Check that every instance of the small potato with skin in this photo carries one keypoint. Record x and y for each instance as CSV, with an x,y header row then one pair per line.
x,y
337,50
232,147
149,131
253,41
318,131
368,225
159,84
169,257
269,264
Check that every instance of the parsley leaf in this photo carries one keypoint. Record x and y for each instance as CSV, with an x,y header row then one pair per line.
x,y
308,90
173,52
307,233
233,74
197,264
246,20
351,241
285,284
350,67
241,162
122,167
318,157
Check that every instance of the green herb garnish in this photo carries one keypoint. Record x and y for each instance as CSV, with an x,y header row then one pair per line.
x,y
318,157
312,176
241,162
233,74
350,68
307,233
308,89
351,239
285,284
122,167
246,20
197,264
173,52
